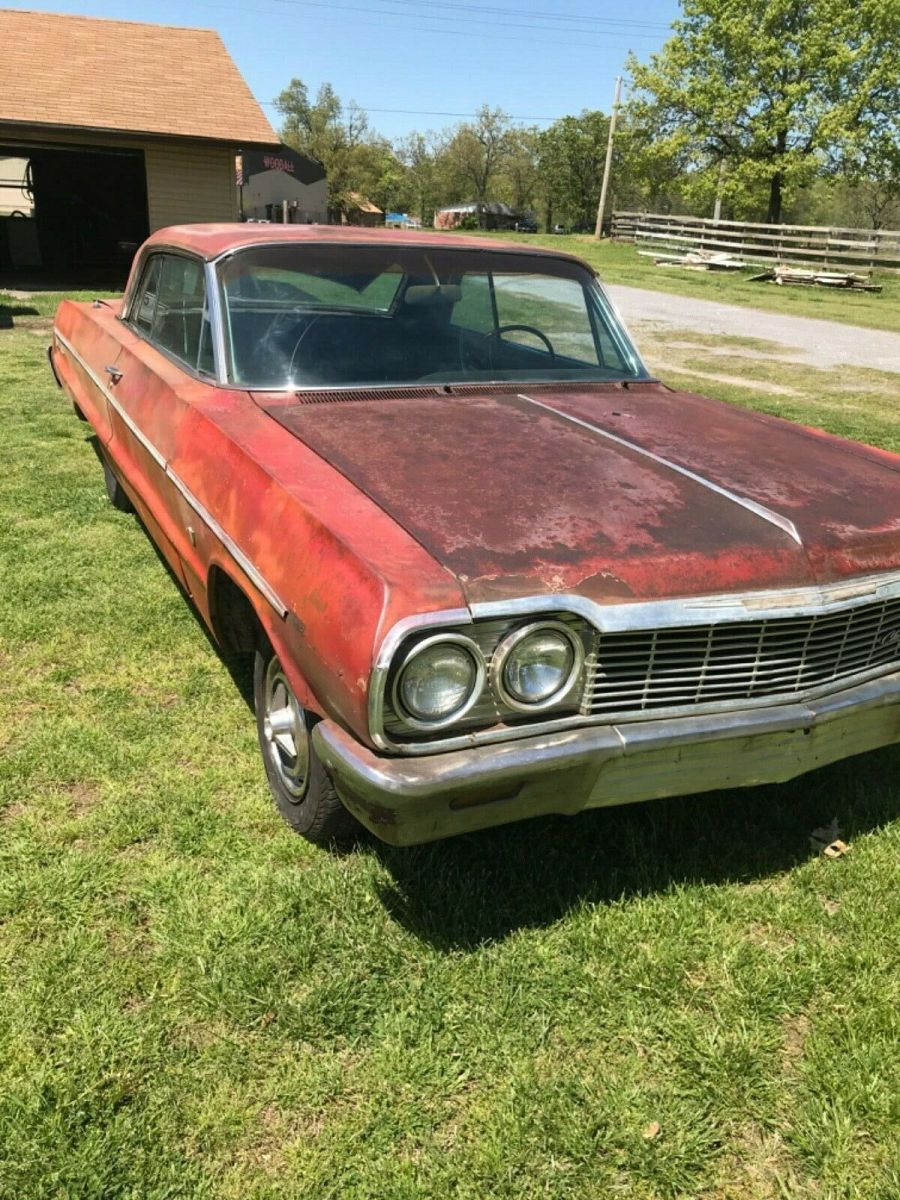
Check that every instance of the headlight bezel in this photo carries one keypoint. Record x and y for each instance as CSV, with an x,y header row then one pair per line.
x,y
475,694
509,643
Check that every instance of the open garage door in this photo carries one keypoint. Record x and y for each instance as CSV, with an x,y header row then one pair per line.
x,y
73,214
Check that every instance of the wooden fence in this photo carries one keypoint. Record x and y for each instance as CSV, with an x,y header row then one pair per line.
x,y
818,245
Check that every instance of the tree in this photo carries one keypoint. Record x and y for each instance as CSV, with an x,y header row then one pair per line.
x,y
338,136
572,153
420,154
477,152
521,169
868,158
773,87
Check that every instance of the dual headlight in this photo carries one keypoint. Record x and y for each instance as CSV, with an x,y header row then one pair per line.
x,y
443,677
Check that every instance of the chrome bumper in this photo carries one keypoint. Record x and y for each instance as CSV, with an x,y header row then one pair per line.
x,y
409,800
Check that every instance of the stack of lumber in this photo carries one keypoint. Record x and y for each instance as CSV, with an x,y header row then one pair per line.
x,y
697,260
795,277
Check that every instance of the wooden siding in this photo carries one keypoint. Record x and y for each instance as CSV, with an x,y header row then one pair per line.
x,y
187,181
187,184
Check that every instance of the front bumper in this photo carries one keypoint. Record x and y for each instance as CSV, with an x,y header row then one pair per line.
x,y
408,800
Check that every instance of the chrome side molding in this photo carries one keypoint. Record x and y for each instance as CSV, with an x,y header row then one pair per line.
x,y
261,585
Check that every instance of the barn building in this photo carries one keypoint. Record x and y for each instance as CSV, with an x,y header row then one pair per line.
x,y
110,130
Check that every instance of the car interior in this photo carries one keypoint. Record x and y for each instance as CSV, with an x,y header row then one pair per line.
x,y
315,326
418,338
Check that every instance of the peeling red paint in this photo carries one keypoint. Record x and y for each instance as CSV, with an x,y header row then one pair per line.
x,y
516,500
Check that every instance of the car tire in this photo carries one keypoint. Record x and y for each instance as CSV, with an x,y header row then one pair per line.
x,y
299,783
118,497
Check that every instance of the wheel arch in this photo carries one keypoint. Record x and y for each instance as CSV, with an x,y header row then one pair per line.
x,y
243,624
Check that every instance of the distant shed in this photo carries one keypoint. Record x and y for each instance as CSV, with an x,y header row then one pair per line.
x,y
487,214
113,129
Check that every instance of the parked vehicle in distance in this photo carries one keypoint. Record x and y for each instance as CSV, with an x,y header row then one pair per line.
x,y
488,566
526,224
559,228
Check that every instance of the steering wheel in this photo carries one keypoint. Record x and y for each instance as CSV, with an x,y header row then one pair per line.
x,y
501,329
307,328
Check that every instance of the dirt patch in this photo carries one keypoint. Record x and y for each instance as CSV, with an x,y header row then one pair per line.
x,y
753,385
770,938
796,1032
735,348
759,1168
277,1132
82,798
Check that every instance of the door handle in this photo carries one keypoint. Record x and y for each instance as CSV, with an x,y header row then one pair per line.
x,y
114,373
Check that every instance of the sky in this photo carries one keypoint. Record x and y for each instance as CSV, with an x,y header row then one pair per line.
x,y
420,64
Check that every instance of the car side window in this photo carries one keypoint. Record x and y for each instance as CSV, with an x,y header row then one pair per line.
x,y
554,307
143,308
474,309
171,310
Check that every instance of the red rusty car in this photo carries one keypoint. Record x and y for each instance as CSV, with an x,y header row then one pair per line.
x,y
488,566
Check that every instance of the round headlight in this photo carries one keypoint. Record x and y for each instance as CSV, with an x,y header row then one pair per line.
x,y
440,680
537,666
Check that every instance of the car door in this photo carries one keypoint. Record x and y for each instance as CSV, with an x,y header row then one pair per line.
x,y
165,361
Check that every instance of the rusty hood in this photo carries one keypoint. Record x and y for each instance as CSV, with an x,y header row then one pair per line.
x,y
609,492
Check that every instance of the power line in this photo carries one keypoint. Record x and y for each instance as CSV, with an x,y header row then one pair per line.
x,y
583,44
505,24
529,13
432,112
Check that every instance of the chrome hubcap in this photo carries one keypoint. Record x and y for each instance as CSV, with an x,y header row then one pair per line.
x,y
285,736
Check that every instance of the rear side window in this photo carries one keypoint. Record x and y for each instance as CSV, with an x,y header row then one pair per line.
x,y
171,310
143,308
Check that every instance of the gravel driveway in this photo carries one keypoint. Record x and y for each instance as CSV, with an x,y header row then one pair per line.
x,y
808,339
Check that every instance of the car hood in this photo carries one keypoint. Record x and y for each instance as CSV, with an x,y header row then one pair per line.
x,y
609,492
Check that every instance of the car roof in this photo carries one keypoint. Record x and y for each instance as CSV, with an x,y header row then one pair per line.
x,y
210,241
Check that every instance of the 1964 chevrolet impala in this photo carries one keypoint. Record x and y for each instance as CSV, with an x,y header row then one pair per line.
x,y
489,567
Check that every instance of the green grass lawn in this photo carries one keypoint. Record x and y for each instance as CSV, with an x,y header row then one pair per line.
x,y
196,1003
619,262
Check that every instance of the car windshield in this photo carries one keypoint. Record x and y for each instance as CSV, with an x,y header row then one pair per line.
x,y
314,316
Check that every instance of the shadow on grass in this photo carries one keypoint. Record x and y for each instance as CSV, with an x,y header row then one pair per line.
x,y
238,666
9,311
483,887
479,888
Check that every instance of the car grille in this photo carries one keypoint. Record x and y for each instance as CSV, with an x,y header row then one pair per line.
x,y
639,671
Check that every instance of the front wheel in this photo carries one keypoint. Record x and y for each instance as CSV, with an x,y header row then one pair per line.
x,y
300,786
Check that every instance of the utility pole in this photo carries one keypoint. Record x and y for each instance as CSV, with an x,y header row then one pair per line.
x,y
598,229
717,210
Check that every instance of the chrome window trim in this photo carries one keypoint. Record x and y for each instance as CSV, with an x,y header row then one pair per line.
x,y
200,509
509,643
214,300
457,639
406,243
638,615
629,348
445,390
785,524
638,363
124,316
